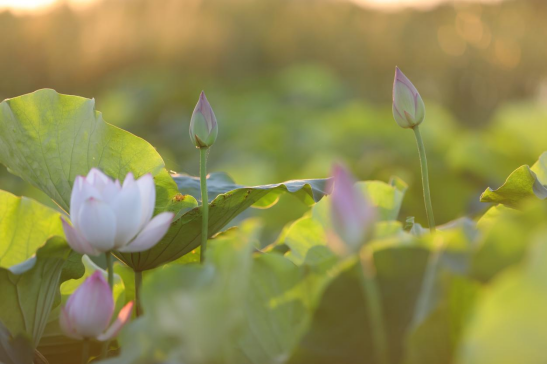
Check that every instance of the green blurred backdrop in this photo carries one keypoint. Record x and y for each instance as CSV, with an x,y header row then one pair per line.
x,y
297,85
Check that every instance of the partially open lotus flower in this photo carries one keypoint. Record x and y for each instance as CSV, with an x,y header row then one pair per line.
x,y
108,216
203,125
88,311
408,106
352,215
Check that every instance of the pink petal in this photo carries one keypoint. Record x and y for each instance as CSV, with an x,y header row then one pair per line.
x,y
151,234
76,241
118,324
81,191
66,325
91,306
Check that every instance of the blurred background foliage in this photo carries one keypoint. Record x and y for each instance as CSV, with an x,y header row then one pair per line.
x,y
297,85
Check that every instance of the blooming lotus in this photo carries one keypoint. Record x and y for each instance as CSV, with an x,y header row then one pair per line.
x,y
109,216
352,215
88,311
408,106
203,124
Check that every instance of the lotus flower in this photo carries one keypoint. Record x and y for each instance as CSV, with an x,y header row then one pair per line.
x,y
203,125
408,106
89,309
108,216
352,215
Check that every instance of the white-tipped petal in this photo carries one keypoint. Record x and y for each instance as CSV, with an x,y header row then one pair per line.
x,y
148,197
76,241
151,234
129,180
81,191
123,317
97,224
127,208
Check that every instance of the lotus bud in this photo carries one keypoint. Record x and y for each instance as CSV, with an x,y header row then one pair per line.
x,y
408,106
203,125
352,215
109,216
89,309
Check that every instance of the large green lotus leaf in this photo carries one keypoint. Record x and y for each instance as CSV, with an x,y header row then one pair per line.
x,y
436,338
30,289
220,185
339,331
193,313
48,139
15,350
54,345
523,183
184,235
277,310
508,324
24,226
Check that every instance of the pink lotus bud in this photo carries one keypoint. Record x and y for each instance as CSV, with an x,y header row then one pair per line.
x,y
89,309
353,217
203,125
107,216
408,106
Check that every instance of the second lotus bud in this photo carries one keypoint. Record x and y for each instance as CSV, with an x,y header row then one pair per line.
x,y
352,215
88,311
408,106
203,125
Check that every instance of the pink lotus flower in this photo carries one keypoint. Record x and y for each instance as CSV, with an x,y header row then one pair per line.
x,y
352,215
203,125
108,216
89,310
408,106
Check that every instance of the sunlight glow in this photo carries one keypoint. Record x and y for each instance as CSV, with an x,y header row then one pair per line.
x,y
25,6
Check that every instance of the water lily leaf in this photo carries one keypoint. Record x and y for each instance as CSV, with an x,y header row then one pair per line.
x,y
184,235
523,183
29,290
47,139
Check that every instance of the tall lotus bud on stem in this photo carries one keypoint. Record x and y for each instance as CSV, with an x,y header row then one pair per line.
x,y
203,133
353,218
352,215
88,313
408,106
409,112
203,125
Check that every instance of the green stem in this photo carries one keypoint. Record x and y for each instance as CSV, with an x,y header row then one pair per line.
x,y
374,306
85,351
425,179
110,269
426,297
204,200
138,285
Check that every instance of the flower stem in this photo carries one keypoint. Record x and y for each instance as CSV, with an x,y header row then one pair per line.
x,y
204,200
425,179
374,306
110,269
85,351
138,285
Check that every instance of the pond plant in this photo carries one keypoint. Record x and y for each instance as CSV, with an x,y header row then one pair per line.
x,y
137,264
